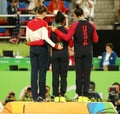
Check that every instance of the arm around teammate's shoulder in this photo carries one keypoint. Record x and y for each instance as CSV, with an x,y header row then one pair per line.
x,y
70,33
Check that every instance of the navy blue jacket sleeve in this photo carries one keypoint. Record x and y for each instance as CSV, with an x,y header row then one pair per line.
x,y
112,58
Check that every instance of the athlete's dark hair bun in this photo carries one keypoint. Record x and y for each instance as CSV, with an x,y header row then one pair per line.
x,y
77,6
78,11
58,13
59,18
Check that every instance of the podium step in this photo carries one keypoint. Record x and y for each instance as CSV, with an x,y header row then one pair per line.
x,y
58,108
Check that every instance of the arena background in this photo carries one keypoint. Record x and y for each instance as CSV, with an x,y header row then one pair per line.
x,y
17,80
105,36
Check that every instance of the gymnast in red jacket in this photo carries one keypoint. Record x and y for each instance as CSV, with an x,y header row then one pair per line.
x,y
38,40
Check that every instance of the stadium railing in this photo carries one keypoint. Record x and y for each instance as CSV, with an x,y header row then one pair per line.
x,y
23,17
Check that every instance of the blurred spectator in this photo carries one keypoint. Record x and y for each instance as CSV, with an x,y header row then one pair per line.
x,y
117,101
33,5
3,7
3,20
88,7
14,21
26,94
1,107
71,56
108,57
39,2
53,7
9,98
119,11
9,1
47,94
117,23
93,95
114,95
26,1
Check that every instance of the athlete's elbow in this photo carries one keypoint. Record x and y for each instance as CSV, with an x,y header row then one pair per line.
x,y
95,39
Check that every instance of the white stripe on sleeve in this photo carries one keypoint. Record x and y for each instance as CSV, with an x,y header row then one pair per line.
x,y
45,37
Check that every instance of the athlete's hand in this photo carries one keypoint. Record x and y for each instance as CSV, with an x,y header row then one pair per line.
x,y
53,28
60,47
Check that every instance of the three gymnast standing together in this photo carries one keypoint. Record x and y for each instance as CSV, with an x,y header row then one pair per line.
x,y
83,34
